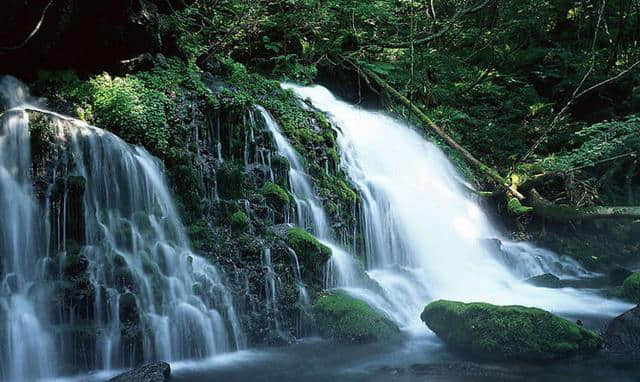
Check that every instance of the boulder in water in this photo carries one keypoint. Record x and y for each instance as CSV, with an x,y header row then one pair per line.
x,y
622,337
514,332
631,287
546,280
347,319
151,372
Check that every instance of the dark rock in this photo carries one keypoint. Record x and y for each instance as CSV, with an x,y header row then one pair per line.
x,y
493,332
546,280
84,35
622,337
617,275
151,372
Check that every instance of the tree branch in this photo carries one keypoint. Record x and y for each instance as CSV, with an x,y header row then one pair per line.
x,y
544,208
433,36
33,32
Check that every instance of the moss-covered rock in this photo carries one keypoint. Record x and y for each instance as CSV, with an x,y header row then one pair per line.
x,y
507,332
631,287
347,319
276,196
307,247
239,221
546,280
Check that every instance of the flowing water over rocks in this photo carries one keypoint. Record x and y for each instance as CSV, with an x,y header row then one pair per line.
x,y
424,235
97,264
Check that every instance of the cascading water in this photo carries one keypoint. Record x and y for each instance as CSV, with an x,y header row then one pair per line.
x,y
148,296
271,284
310,213
423,234
26,347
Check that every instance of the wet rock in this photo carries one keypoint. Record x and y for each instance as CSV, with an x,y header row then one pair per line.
x,y
546,280
151,372
618,274
622,337
494,332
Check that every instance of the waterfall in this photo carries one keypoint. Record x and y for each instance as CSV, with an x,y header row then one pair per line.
x,y
147,295
424,234
310,213
271,290
26,347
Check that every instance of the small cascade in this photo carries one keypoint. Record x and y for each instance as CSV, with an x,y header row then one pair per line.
x,y
26,342
127,287
271,286
305,317
310,213
423,234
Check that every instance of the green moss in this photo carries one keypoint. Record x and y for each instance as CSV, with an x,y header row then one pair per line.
x,y
239,221
517,208
347,319
307,246
276,196
631,287
507,332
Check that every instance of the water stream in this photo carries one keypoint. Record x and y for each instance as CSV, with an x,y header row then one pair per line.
x,y
425,236
146,295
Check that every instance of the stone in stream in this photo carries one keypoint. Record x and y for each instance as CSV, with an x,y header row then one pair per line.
x,y
546,280
493,332
150,372
622,337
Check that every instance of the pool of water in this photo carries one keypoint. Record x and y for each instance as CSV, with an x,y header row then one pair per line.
x,y
412,359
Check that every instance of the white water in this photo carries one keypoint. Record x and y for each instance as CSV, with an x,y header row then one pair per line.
x,y
423,233
310,213
133,241
26,346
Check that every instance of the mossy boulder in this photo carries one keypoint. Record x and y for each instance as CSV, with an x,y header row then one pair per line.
x,y
631,287
309,250
347,319
275,195
546,280
239,221
512,332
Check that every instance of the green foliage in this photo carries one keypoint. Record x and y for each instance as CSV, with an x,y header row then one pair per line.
x,y
599,142
347,319
239,221
130,109
42,132
631,287
507,332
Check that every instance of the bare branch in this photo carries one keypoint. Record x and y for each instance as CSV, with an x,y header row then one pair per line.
x,y
33,32
433,36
